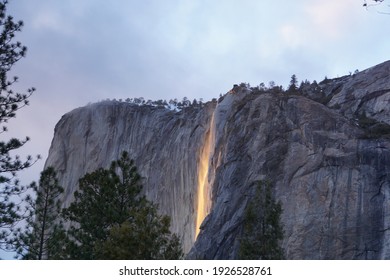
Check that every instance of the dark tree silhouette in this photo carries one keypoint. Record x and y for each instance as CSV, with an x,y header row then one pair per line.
x,y
262,229
293,86
10,102
43,235
109,209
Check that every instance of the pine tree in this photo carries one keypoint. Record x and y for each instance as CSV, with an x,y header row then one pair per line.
x,y
10,103
109,201
144,236
293,86
43,235
262,230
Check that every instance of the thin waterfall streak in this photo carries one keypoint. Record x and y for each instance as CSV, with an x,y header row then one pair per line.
x,y
204,185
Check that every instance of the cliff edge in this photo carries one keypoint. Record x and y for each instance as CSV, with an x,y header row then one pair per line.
x,y
326,150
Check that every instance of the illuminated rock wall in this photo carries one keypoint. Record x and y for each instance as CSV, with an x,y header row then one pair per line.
x,y
165,145
325,150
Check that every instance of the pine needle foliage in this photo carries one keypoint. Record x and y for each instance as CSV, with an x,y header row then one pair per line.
x,y
262,230
11,52
109,211
43,235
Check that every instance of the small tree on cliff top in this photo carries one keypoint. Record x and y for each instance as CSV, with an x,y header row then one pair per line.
x,y
293,86
262,230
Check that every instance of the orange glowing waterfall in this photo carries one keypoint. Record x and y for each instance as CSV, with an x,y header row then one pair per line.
x,y
204,192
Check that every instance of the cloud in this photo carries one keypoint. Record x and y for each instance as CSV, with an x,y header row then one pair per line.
x,y
291,36
46,20
332,18
88,50
50,19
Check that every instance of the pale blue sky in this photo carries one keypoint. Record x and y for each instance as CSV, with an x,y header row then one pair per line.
x,y
82,51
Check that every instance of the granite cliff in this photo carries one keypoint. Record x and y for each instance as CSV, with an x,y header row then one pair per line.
x,y
326,150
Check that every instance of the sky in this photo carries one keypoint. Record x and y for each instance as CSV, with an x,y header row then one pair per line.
x,y
90,50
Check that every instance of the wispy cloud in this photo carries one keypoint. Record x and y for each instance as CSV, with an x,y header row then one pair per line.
x,y
89,50
332,19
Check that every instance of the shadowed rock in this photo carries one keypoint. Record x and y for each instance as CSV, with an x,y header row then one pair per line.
x,y
326,151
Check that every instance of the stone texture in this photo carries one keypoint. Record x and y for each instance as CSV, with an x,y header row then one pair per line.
x,y
333,180
164,144
367,91
333,185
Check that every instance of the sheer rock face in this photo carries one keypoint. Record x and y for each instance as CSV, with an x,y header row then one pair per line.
x,y
333,185
332,179
164,145
365,92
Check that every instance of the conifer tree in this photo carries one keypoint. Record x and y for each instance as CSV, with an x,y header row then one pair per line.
x,y
43,235
145,235
262,230
293,86
107,209
10,103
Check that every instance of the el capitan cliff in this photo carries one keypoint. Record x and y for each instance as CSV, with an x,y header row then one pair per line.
x,y
326,150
